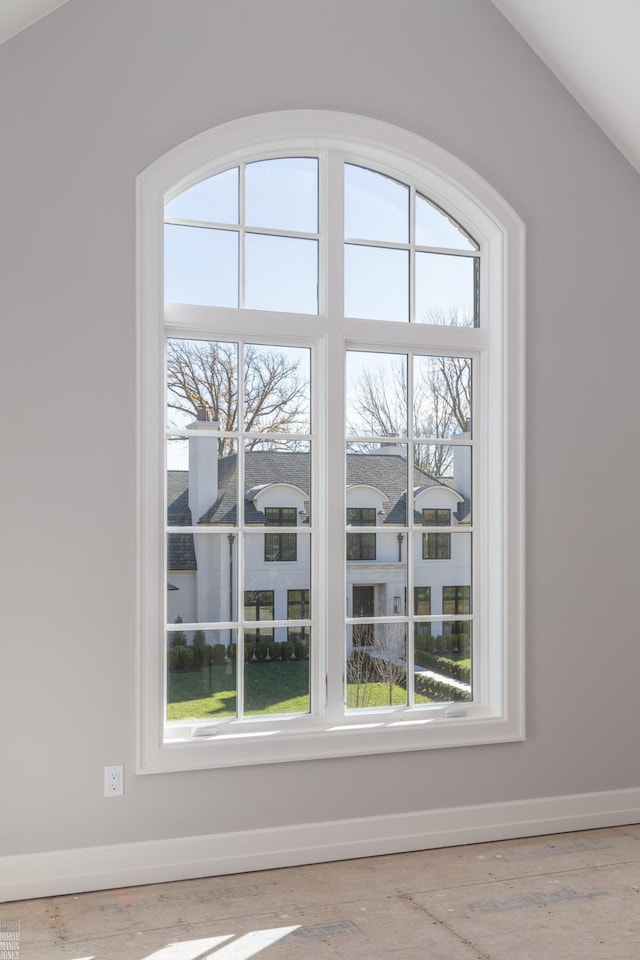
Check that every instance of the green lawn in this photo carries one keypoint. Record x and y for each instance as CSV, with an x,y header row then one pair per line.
x,y
270,688
210,693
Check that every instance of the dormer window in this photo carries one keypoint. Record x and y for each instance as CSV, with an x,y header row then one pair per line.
x,y
280,546
436,518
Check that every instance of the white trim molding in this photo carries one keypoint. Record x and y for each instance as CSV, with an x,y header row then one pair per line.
x,y
57,872
495,348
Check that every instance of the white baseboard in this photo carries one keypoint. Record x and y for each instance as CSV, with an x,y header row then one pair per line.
x,y
156,861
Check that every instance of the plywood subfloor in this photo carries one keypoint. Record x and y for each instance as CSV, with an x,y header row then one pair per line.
x,y
548,898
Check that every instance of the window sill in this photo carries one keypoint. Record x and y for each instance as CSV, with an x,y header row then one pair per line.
x,y
455,725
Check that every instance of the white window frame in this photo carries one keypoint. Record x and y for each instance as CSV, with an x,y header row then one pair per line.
x,y
497,346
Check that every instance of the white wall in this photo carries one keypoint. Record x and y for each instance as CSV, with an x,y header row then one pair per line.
x,y
94,94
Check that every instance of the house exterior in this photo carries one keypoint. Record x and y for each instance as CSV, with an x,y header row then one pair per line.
x,y
202,568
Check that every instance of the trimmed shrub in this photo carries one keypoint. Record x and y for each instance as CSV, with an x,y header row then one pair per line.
x,y
180,658
287,650
218,652
421,643
199,639
202,654
178,638
261,650
206,653
275,650
301,648
248,652
232,651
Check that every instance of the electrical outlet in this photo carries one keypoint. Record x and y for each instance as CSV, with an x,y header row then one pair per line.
x,y
114,781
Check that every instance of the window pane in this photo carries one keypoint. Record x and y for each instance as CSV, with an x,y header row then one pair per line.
x,y
375,207
201,479
282,194
202,383
435,229
276,677
446,289
200,266
448,575
201,485
201,577
377,488
277,382
277,478
376,283
281,273
443,663
376,665
442,484
442,402
375,591
201,675
214,199
376,394
268,579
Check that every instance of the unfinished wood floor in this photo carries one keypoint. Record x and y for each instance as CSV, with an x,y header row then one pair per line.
x,y
561,897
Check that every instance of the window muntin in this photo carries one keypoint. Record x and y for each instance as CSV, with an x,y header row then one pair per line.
x,y
497,375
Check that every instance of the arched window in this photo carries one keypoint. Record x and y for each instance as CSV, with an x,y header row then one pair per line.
x,y
330,338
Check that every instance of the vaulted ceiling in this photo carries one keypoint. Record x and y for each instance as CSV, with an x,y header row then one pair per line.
x,y
590,45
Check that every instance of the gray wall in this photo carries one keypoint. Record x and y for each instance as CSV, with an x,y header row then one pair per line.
x,y
91,96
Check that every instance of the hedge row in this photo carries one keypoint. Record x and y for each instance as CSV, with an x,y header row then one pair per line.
x,y
451,668
181,657
438,690
451,643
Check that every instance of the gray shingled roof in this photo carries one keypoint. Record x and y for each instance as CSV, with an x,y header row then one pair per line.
x,y
388,472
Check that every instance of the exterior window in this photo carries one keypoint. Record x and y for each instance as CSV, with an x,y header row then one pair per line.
x,y
361,546
422,608
298,609
436,546
280,546
456,600
258,605
436,518
336,296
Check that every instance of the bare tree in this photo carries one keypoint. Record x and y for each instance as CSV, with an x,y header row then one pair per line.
x,y
378,658
361,674
389,656
441,405
203,374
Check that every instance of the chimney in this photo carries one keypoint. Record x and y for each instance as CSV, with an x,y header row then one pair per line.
x,y
391,450
203,464
462,467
